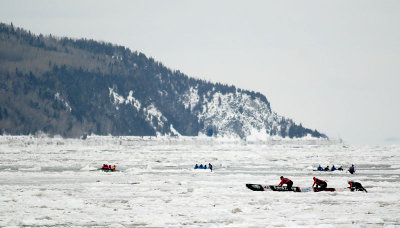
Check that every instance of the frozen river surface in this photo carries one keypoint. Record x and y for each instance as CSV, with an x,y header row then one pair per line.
x,y
55,182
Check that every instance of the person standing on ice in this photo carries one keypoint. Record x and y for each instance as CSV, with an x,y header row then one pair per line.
x,y
320,184
352,169
210,166
286,181
356,186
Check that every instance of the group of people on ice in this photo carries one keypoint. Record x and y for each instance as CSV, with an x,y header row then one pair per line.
x,y
203,167
329,169
351,169
109,167
321,184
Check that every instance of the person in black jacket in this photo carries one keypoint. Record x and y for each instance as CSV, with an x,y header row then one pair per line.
x,y
356,186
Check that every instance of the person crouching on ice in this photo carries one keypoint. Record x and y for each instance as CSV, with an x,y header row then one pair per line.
x,y
356,186
320,184
286,181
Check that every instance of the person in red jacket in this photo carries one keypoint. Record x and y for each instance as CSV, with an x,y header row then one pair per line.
x,y
286,181
319,184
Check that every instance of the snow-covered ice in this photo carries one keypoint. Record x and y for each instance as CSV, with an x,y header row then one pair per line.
x,y
55,182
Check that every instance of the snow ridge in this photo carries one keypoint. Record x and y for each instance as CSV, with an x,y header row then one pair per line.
x,y
118,99
59,98
153,116
238,115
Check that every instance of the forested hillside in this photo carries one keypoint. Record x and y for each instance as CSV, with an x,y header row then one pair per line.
x,y
73,87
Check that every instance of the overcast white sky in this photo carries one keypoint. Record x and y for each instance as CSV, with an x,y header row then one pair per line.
x,y
331,65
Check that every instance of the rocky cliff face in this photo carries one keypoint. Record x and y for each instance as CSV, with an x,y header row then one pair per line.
x,y
75,87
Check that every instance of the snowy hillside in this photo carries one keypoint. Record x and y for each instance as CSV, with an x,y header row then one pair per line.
x,y
69,87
